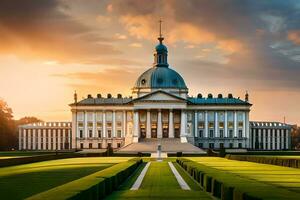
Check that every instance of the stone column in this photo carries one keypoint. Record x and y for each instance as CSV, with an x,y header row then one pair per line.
x,y
24,138
269,139
148,125
136,126
54,139
278,139
94,125
196,124
225,124
59,139
39,139
183,127
171,124
282,138
85,132
20,139
264,139
34,139
49,138
216,124
273,139
253,138
259,138
235,130
64,137
124,124
44,138
29,132
114,134
159,125
247,131
103,124
74,129
244,125
206,124
287,133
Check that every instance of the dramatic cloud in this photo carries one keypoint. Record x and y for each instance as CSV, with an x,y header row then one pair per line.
x,y
41,29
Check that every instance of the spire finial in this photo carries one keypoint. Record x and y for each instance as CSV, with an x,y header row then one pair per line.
x,y
160,38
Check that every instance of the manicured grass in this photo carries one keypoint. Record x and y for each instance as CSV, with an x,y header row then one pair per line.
x,y
277,179
24,153
21,181
159,183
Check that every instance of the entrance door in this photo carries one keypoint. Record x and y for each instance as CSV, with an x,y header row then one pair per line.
x,y
153,131
143,131
165,131
176,130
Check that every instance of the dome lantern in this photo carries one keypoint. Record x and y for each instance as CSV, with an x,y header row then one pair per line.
x,y
161,51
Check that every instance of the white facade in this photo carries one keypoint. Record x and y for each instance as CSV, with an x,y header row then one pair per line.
x,y
46,136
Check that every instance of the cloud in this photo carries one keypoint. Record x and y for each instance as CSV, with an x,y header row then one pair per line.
x,y
136,45
42,29
294,36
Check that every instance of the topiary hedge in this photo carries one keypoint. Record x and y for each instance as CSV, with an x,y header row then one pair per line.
x,y
272,160
227,186
92,187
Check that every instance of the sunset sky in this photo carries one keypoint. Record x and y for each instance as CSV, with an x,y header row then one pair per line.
x,y
50,48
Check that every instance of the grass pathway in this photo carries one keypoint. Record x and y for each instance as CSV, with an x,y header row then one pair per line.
x,y
159,183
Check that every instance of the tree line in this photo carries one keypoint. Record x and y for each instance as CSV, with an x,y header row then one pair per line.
x,y
9,127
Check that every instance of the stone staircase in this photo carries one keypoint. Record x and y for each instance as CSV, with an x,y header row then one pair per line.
x,y
168,145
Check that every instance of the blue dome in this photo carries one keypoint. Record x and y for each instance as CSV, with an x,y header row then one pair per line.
x,y
160,77
161,47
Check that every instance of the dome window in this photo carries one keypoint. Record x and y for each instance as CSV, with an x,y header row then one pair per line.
x,y
143,81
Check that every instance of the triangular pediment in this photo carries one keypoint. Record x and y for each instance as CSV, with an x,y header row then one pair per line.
x,y
160,96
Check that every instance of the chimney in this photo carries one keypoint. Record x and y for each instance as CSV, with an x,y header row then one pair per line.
x,y
246,96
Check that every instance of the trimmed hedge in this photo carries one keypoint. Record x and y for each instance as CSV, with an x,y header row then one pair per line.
x,y
227,186
38,158
272,160
92,187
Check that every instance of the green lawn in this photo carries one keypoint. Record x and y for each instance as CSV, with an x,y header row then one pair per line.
x,y
19,182
159,183
281,177
23,153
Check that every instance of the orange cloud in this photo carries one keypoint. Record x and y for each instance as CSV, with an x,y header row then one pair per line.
x,y
294,36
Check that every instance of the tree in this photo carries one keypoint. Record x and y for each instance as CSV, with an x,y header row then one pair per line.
x,y
28,120
8,137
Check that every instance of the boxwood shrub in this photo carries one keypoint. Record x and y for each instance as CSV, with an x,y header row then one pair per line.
x,y
92,187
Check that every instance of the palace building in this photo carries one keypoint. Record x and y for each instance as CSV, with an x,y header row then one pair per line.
x,y
160,108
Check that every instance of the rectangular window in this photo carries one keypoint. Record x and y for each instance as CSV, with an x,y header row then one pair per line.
x,y
221,145
119,132
211,125
81,145
99,124
99,145
211,133
230,134
240,145
221,131
90,145
109,124
240,124
81,133
211,145
221,124
90,124
109,133
201,125
200,145
230,124
99,133
200,133
230,145
90,133
80,124
119,145
240,133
